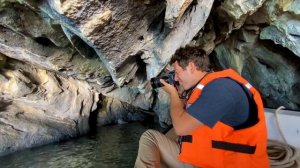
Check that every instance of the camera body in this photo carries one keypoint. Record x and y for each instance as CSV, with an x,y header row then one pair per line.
x,y
169,78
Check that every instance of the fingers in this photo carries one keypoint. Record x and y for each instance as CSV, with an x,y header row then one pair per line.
x,y
163,82
170,89
180,89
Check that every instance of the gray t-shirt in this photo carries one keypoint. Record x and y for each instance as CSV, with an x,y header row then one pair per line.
x,y
221,100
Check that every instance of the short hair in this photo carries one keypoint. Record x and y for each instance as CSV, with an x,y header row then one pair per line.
x,y
198,56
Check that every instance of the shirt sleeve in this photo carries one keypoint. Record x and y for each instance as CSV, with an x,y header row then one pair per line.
x,y
217,99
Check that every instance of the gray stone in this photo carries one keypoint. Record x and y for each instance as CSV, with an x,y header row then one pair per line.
x,y
64,61
272,72
81,47
114,111
71,51
283,20
162,109
175,10
238,9
285,33
28,23
2,60
134,32
40,107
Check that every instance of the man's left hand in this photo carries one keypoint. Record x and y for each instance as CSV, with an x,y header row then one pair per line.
x,y
170,89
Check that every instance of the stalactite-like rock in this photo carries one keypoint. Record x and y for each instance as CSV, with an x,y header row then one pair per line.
x,y
231,15
284,26
124,32
44,55
81,48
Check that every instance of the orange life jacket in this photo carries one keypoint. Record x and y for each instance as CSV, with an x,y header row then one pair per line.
x,y
222,146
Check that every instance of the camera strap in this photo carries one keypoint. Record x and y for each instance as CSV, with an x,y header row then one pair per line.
x,y
187,93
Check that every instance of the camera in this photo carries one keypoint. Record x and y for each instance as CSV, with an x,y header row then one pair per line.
x,y
169,78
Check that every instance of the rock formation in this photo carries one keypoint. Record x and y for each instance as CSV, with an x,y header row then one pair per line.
x,y
65,64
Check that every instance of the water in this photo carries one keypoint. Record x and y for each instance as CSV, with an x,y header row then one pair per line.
x,y
112,147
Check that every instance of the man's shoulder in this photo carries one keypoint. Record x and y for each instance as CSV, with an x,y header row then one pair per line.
x,y
223,83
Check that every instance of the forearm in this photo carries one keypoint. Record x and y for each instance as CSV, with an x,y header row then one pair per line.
x,y
183,123
176,111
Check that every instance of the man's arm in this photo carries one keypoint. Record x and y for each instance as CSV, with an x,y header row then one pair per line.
x,y
183,123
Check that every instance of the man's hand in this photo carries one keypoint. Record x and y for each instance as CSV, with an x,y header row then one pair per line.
x,y
170,89
183,123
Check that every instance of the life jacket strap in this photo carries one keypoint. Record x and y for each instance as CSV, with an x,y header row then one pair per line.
x,y
234,147
187,138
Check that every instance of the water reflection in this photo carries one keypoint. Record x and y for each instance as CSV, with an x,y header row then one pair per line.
x,y
111,147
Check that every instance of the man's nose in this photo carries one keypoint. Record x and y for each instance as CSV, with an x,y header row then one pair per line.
x,y
175,78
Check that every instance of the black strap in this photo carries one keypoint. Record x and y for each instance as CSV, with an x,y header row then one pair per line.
x,y
234,147
187,138
187,93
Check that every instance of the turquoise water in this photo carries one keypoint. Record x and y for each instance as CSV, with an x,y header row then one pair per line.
x,y
112,147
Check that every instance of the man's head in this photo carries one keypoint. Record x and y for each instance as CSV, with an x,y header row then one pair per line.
x,y
190,65
184,56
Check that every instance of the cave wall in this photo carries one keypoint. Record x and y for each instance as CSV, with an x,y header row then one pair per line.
x,y
65,64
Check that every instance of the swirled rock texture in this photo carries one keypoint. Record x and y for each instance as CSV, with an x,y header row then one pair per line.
x,y
69,65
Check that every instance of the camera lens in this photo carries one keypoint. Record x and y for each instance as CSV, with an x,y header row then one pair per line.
x,y
169,78
155,83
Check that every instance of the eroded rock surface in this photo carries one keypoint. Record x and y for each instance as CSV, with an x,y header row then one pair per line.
x,y
39,107
65,64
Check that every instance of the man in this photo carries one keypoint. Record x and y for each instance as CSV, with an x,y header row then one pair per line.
x,y
221,124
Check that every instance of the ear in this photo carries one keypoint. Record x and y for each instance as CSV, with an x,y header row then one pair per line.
x,y
192,67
